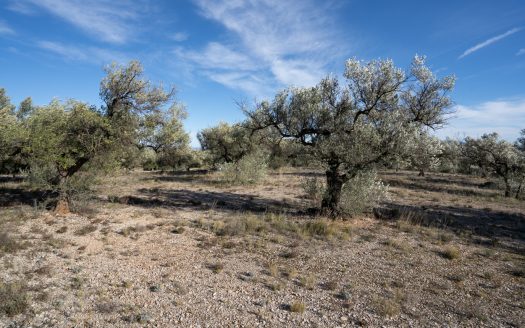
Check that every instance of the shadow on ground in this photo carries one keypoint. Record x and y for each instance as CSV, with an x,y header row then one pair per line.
x,y
21,196
493,225
205,200
425,186
200,177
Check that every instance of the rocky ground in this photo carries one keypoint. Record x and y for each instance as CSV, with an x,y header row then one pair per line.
x,y
159,250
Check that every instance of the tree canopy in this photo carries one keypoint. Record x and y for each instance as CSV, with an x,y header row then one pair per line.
x,y
353,125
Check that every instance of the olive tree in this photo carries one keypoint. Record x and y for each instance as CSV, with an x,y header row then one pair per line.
x,y
350,127
13,135
225,143
5,102
163,132
450,159
63,139
498,157
424,152
520,146
72,137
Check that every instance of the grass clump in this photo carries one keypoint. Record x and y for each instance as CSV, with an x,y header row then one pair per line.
x,y
318,228
387,307
273,269
297,307
87,229
307,281
10,245
177,230
240,225
13,299
451,253
291,273
390,306
216,267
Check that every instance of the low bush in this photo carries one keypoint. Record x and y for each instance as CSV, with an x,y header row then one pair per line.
x,y
362,193
250,169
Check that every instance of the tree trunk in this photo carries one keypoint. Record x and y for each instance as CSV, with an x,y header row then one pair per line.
x,y
518,191
334,186
507,187
62,207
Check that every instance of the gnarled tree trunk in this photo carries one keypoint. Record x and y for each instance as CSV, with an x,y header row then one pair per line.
x,y
332,197
62,207
507,187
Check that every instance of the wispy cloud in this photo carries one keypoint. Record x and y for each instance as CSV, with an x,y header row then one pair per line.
x,y
521,52
271,44
106,20
180,36
488,42
92,55
5,29
507,117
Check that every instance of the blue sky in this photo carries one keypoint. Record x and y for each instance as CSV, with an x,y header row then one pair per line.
x,y
219,52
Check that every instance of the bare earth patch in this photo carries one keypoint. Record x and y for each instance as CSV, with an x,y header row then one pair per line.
x,y
163,250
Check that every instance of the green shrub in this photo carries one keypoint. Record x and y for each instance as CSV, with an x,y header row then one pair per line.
x,y
13,299
362,193
314,188
249,169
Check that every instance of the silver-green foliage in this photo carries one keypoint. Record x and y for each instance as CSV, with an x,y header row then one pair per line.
x,y
352,125
250,169
362,193
359,195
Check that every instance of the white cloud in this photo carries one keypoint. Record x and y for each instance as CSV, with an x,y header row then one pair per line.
x,y
271,43
107,20
505,117
521,52
488,42
92,55
218,56
5,29
180,36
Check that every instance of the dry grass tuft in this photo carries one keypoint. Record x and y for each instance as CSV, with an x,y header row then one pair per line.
x,y
215,267
13,299
85,230
308,281
450,253
273,269
297,307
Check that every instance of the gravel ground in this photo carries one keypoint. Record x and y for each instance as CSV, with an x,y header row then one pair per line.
x,y
170,265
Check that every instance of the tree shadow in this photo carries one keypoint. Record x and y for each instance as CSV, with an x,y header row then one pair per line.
x,y
205,200
21,196
194,177
493,225
310,174
10,178
424,186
